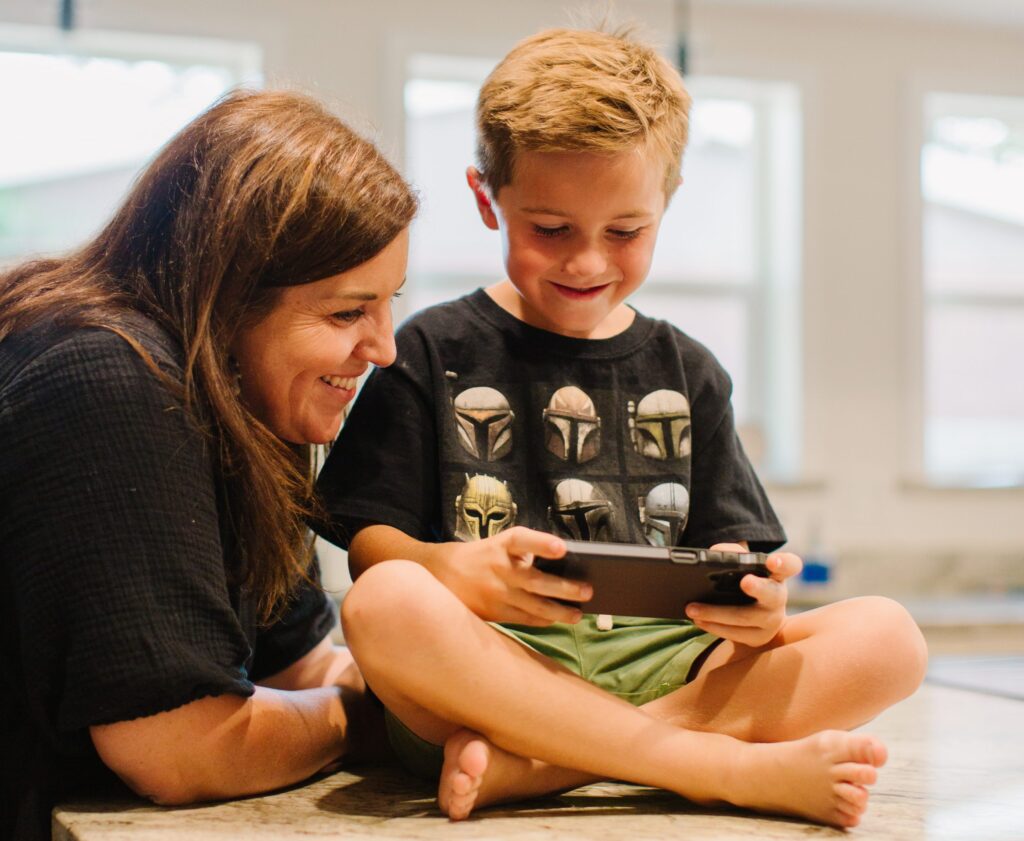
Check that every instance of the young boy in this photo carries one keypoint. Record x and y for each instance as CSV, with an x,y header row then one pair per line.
x,y
547,402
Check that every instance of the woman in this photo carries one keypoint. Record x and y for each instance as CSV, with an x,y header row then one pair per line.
x,y
160,614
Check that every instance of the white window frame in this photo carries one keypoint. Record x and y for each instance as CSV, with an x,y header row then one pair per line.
x,y
916,297
244,59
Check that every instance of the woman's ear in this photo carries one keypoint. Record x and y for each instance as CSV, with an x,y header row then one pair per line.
x,y
483,198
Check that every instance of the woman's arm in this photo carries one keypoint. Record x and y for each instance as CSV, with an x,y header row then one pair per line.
x,y
226,746
325,665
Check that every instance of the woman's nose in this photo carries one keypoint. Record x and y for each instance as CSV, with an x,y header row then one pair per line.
x,y
378,346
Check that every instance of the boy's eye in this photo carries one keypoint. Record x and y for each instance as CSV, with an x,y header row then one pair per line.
x,y
618,233
543,231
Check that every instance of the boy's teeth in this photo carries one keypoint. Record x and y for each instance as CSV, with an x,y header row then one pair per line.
x,y
340,382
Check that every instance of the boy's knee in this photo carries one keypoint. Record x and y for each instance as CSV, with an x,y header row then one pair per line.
x,y
904,644
381,598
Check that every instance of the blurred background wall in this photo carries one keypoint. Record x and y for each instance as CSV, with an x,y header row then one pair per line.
x,y
849,238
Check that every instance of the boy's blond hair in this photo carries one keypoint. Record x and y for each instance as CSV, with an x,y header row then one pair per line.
x,y
565,90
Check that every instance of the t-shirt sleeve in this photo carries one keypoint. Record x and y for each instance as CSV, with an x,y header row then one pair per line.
x,y
383,467
113,548
304,622
728,502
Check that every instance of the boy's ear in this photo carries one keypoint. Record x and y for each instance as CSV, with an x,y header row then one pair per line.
x,y
483,198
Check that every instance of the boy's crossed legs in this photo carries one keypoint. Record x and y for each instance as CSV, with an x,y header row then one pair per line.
x,y
495,702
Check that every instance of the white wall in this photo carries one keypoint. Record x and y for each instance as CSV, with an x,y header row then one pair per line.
x,y
861,76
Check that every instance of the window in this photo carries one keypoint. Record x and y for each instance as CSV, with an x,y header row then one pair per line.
x,y
972,182
85,115
727,262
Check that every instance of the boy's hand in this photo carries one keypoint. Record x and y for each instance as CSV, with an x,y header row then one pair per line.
x,y
496,579
757,624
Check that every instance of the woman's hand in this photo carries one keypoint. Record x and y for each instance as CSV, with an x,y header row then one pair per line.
x,y
497,580
757,624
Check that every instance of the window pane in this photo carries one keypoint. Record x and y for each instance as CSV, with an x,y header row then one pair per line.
x,y
970,254
972,182
707,233
975,392
82,128
447,236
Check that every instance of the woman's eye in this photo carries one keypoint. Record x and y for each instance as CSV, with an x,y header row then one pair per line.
x,y
542,231
348,316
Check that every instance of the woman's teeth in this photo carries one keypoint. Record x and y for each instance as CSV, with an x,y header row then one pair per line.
x,y
340,382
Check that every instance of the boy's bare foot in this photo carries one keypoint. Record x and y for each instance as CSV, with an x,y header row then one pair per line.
x,y
478,773
466,757
823,777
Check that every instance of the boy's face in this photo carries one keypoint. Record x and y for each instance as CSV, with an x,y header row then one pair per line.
x,y
578,231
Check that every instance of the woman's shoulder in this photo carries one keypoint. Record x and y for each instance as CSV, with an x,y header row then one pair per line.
x,y
73,353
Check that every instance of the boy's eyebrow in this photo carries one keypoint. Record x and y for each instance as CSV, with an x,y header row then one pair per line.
x,y
550,211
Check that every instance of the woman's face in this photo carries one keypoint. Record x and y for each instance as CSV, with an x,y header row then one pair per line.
x,y
299,365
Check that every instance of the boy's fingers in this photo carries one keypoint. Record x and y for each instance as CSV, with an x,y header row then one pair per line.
x,y
739,617
522,541
745,636
783,565
544,609
768,592
553,587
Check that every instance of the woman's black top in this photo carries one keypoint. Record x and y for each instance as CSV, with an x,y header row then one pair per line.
x,y
114,599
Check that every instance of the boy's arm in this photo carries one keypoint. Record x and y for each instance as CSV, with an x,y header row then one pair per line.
x,y
494,577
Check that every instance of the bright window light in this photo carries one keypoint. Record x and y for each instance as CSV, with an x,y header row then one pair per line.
x,y
972,183
81,118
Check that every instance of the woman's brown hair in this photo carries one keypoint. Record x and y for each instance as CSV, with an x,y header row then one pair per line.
x,y
263,190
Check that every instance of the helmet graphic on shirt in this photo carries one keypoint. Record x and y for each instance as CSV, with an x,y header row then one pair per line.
x,y
484,508
579,512
659,425
572,429
663,513
483,422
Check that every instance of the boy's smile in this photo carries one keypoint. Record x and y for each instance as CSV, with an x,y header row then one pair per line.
x,y
578,231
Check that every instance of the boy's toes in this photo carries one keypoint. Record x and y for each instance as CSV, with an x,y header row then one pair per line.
x,y
856,773
852,798
870,750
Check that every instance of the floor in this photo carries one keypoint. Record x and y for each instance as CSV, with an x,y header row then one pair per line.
x,y
956,771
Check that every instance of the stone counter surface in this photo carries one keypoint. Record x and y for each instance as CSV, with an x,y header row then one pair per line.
x,y
955,772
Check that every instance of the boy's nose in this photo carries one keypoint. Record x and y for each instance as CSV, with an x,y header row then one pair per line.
x,y
588,261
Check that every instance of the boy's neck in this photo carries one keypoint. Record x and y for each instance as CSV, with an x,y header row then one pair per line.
x,y
505,295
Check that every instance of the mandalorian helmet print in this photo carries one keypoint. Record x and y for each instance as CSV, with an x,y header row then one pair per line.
x,y
572,429
659,425
663,513
483,421
484,508
579,513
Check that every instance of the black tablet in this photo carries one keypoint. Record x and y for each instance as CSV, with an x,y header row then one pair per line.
x,y
632,580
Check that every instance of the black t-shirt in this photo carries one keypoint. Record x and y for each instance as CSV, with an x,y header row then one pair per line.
x,y
485,422
114,600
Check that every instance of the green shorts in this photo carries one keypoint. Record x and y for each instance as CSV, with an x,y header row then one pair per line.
x,y
638,660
